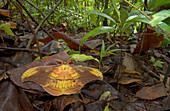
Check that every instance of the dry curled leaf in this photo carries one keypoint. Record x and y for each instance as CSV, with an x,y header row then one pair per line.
x,y
61,79
153,92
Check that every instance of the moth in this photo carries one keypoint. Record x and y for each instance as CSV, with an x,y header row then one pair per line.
x,y
61,79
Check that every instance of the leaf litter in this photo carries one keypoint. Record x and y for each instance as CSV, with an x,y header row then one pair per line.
x,y
135,85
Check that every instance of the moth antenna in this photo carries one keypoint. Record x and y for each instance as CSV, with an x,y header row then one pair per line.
x,y
62,62
68,61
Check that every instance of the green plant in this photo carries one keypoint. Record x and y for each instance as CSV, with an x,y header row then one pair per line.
x,y
104,51
121,20
82,57
156,63
6,29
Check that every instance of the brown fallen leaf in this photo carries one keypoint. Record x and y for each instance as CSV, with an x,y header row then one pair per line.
x,y
12,98
149,41
72,43
153,92
61,102
128,80
3,13
12,25
129,62
130,72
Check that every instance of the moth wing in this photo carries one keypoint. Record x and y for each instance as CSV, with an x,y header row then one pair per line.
x,y
84,74
42,75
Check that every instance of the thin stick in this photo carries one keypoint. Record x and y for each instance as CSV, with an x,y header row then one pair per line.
x,y
28,24
22,49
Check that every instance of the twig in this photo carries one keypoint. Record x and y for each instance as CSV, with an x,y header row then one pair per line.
x,y
145,16
150,72
22,49
28,25
9,62
36,23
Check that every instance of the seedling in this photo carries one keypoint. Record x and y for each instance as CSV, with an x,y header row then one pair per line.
x,y
156,63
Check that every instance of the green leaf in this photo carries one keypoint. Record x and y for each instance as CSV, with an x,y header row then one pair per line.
x,y
104,15
165,27
126,26
123,15
105,95
38,58
102,50
82,57
73,52
106,108
110,46
116,9
153,4
159,63
138,18
160,16
152,59
96,31
7,29
111,51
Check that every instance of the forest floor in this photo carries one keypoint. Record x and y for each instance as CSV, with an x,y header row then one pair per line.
x,y
131,81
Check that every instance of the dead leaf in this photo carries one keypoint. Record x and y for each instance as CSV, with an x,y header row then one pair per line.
x,y
96,88
153,92
12,25
4,13
13,98
130,72
149,41
128,80
61,102
72,43
128,62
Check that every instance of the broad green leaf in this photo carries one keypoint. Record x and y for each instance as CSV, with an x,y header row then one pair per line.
x,y
7,29
104,15
137,18
82,57
123,15
153,4
160,16
165,27
96,31
126,26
